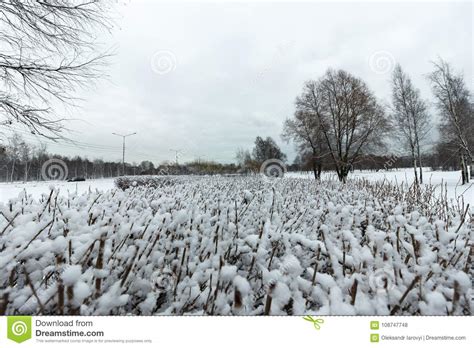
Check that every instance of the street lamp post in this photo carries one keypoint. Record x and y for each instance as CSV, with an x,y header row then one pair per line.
x,y
123,148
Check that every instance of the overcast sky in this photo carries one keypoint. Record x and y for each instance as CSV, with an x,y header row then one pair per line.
x,y
208,78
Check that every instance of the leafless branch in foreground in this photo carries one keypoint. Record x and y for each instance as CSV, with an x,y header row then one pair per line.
x,y
48,51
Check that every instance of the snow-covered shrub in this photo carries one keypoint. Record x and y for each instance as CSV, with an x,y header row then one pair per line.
x,y
125,182
236,245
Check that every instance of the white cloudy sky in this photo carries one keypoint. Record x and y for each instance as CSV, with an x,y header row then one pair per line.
x,y
237,69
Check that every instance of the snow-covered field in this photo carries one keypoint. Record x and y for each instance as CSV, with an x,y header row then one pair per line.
x,y
37,188
234,245
446,183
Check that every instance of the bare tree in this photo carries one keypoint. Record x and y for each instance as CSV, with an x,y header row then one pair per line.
x,y
410,118
47,54
455,106
265,149
243,157
349,116
14,152
305,130
26,152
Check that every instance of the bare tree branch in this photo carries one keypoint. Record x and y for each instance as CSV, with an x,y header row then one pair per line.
x,y
48,51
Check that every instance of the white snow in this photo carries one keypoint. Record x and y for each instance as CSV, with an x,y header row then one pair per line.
x,y
71,274
195,245
242,285
291,266
81,291
228,273
39,188
444,182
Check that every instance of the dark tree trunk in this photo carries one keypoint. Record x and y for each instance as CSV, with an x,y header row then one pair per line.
x,y
315,170
342,173
414,168
420,165
464,174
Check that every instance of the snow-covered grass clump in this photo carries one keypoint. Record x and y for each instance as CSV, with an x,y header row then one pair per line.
x,y
237,245
157,181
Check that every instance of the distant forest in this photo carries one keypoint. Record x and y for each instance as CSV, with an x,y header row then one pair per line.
x,y
20,161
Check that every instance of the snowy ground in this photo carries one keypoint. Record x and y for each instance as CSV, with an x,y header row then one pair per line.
x,y
233,246
36,189
443,181
446,182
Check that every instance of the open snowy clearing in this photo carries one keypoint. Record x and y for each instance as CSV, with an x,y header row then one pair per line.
x,y
446,182
450,181
235,245
37,188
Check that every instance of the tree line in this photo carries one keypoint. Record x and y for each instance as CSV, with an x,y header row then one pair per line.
x,y
21,161
339,121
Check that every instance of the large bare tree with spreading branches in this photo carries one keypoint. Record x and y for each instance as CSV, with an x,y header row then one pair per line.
x,y
305,130
48,51
410,118
349,117
454,103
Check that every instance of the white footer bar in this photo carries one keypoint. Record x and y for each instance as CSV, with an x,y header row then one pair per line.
x,y
236,331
